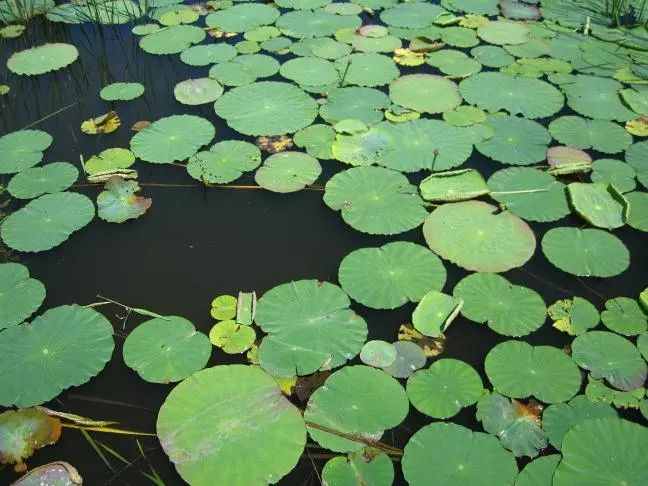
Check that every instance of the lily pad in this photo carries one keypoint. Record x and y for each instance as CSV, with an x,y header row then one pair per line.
x,y
425,93
197,91
48,179
309,71
518,370
109,160
596,97
378,354
173,138
55,474
443,389
47,222
225,162
20,295
540,471
637,210
262,419
364,467
602,135
435,312
22,149
382,405
122,91
503,32
288,172
583,451
636,156
64,347
599,204
24,431
375,200
516,141
516,425
164,350
574,316
204,55
454,456
310,327
172,40
242,17
392,275
610,356
511,310
118,202
624,316
409,358
471,235
224,307
267,108
354,103
232,337
615,172
42,59
367,69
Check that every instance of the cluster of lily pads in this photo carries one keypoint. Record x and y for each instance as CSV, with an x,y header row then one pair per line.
x,y
403,94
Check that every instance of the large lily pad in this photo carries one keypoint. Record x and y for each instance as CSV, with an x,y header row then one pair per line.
x,y
601,135
471,235
375,200
64,347
455,456
243,17
230,443
172,40
511,310
599,204
589,460
225,162
197,91
610,356
586,252
173,138
288,172
392,275
624,316
267,108
444,388
47,222
36,181
164,350
336,405
20,295
425,93
310,327
22,149
516,141
356,103
518,370
42,59
503,32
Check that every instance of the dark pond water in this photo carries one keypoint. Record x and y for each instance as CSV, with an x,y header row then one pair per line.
x,y
196,243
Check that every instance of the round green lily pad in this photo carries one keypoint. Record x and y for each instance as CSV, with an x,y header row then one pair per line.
x,y
559,418
516,141
242,17
610,356
531,194
471,235
22,149
596,97
288,172
589,460
47,222
598,204
166,350
378,354
574,316
619,174
637,210
310,327
267,108
392,275
309,71
444,388
172,40
204,55
409,358
587,252
197,91
336,405
540,471
363,467
20,295
636,157
425,93
435,312
121,91
118,202
109,160
225,162
511,310
64,347
375,200
602,135
455,456
518,370
173,138
624,316
261,420
315,23
48,179
232,337
354,102
503,32
42,59
224,307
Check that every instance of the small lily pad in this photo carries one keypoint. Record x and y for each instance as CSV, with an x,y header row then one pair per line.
x,y
288,172
119,201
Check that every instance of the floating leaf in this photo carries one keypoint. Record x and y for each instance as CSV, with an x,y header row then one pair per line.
x,y
615,172
109,160
375,200
610,356
310,327
636,157
587,252
24,431
392,275
172,40
241,18
47,222
573,316
197,91
540,471
471,235
246,308
107,123
64,347
435,312
516,141
515,424
454,456
518,370
502,32
22,149
36,181
54,474
20,295
232,337
364,467
42,59
263,419
225,162
601,135
597,391
378,354
122,91
382,405
356,103
409,358
511,310
172,138
624,316
223,307
288,172
367,69
118,202
425,93
443,389
204,55
599,204
583,454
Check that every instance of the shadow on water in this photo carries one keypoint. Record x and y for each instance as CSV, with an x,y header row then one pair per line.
x,y
197,243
